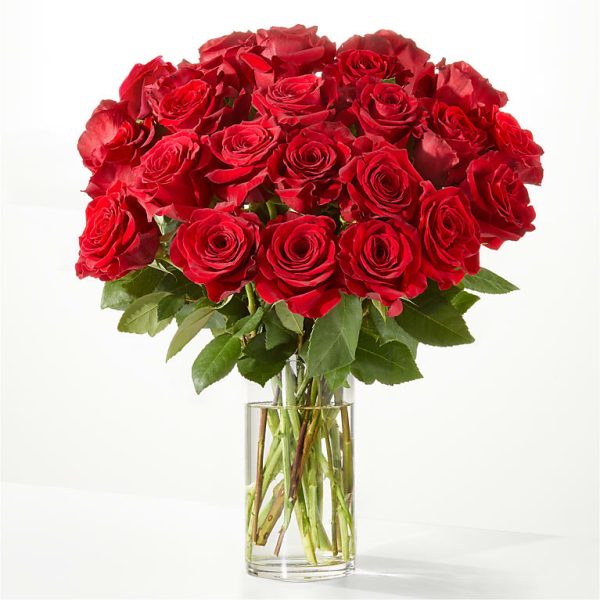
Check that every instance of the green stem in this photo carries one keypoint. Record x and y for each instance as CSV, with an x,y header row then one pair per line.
x,y
272,210
331,471
259,471
347,451
251,298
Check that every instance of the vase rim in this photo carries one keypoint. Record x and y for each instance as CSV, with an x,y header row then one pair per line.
x,y
278,407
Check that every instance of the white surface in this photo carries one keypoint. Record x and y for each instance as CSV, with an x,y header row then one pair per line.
x,y
71,544
500,435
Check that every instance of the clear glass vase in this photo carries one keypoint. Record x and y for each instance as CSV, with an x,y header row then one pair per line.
x,y
299,479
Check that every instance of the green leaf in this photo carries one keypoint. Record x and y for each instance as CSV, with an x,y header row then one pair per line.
x,y
288,319
338,378
168,306
389,363
276,333
215,361
487,282
334,337
177,283
388,330
233,309
463,301
380,307
189,328
260,364
250,323
432,320
184,311
119,294
389,80
142,315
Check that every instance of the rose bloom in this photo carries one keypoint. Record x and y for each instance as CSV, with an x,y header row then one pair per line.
x,y
242,151
193,98
452,139
118,237
381,259
297,263
385,109
112,136
306,170
449,234
133,88
518,145
499,200
217,250
380,181
354,65
167,182
408,56
294,50
302,100
461,85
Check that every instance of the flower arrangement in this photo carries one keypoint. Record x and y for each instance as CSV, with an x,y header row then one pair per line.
x,y
303,201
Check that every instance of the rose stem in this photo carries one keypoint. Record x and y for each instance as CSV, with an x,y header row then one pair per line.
x,y
270,514
259,471
293,486
347,451
304,528
272,210
251,298
285,440
331,469
297,464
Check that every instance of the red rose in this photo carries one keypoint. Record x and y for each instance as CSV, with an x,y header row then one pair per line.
x,y
117,238
133,89
226,47
167,181
226,55
385,109
306,170
409,57
110,174
451,141
242,150
297,263
217,250
353,65
381,182
499,200
381,259
302,100
195,99
112,136
450,235
519,146
461,85
296,49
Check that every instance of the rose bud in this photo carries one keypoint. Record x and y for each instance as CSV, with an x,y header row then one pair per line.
x,y
499,200
297,263
133,89
218,250
118,237
381,260
449,234
306,170
381,182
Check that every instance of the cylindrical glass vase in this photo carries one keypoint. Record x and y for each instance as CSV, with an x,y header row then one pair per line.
x,y
300,479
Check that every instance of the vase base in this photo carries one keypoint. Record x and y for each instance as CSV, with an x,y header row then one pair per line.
x,y
299,570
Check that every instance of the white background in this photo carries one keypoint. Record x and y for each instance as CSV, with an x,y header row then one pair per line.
x,y
501,434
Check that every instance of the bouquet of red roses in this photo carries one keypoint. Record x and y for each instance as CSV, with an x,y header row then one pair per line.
x,y
321,211
281,192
